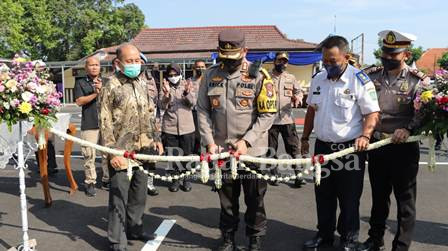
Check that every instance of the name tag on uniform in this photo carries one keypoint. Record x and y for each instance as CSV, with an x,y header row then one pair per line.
x,y
214,84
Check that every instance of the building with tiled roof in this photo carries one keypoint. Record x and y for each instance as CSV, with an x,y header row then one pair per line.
x,y
428,60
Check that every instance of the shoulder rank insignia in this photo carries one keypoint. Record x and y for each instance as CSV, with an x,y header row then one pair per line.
x,y
418,74
217,79
372,69
404,87
362,76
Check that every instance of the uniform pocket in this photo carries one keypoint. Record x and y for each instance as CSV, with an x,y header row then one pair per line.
x,y
214,95
344,108
288,90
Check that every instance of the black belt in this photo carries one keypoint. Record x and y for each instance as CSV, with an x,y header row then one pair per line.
x,y
337,146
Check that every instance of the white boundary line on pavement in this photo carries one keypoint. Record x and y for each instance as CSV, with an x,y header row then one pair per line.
x,y
161,233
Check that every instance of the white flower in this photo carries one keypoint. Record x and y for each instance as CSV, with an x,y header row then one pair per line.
x,y
6,105
26,96
11,85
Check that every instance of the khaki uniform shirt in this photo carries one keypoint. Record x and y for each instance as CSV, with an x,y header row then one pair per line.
x,y
127,114
227,109
396,98
287,89
178,116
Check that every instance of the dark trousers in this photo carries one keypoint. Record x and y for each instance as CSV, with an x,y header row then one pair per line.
x,y
394,168
197,135
342,181
51,155
290,139
172,143
254,190
127,201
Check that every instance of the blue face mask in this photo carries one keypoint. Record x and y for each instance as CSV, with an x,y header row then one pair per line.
x,y
132,70
333,71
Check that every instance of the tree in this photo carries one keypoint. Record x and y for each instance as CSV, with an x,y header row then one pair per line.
x,y
416,52
58,30
443,61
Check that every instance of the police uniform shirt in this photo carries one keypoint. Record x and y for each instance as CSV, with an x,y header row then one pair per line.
x,y
396,98
340,105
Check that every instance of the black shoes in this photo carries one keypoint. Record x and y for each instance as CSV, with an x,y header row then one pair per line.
x,y
174,187
186,185
372,245
144,237
255,243
348,246
228,242
298,183
105,185
90,190
318,242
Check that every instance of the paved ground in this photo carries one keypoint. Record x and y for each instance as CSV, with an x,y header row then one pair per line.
x,y
79,223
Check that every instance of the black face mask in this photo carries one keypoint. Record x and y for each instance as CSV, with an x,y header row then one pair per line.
x,y
333,71
231,65
390,64
280,67
199,72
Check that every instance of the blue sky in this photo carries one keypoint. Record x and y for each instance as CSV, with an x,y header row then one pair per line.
x,y
311,20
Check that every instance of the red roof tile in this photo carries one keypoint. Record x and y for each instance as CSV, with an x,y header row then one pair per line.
x,y
428,60
179,41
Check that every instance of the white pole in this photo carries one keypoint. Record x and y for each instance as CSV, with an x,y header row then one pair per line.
x,y
23,207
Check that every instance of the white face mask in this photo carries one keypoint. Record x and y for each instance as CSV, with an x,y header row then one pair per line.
x,y
175,80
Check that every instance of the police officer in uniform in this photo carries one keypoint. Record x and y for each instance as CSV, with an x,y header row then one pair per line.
x,y
236,107
199,68
394,167
290,96
177,98
343,110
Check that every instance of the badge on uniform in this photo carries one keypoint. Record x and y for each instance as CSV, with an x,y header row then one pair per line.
x,y
247,93
347,91
244,102
362,76
246,78
404,87
215,102
269,90
317,92
217,79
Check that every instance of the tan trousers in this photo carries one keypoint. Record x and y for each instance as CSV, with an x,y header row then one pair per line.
x,y
89,158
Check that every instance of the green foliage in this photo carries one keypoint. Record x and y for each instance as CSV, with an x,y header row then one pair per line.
x,y
415,51
443,61
66,29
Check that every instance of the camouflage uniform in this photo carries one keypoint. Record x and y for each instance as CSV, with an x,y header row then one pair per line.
x,y
127,123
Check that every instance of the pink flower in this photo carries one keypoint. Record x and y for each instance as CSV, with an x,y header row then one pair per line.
x,y
2,88
417,104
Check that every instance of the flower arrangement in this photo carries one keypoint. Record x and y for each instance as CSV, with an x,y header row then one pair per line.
x,y
432,103
26,93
